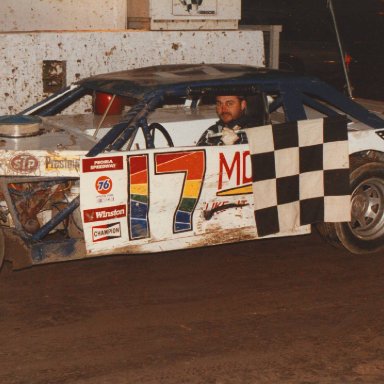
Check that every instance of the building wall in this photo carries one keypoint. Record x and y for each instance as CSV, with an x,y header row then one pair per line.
x,y
89,53
36,15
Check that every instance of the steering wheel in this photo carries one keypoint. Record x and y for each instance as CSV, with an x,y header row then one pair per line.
x,y
152,128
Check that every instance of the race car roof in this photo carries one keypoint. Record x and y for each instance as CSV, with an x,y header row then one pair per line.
x,y
151,84
137,82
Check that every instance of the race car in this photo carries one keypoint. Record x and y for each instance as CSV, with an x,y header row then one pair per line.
x,y
128,178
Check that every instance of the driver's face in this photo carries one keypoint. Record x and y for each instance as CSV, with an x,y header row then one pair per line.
x,y
229,108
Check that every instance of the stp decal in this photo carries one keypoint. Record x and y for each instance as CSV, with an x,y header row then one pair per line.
x,y
24,163
106,232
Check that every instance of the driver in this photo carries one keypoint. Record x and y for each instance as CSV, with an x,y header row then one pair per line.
x,y
231,111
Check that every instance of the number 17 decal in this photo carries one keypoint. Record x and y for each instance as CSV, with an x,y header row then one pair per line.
x,y
138,193
192,164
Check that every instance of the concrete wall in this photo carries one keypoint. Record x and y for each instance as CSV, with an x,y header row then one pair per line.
x,y
35,15
89,53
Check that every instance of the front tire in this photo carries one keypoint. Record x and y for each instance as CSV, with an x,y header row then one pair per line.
x,y
365,232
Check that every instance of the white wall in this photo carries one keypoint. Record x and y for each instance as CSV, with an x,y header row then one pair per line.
x,y
35,15
89,53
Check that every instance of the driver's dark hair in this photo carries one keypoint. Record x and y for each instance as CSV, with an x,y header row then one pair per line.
x,y
240,97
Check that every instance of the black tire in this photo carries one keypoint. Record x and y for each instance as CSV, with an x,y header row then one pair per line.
x,y
365,232
328,232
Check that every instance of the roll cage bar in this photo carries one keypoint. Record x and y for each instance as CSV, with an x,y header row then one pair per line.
x,y
125,131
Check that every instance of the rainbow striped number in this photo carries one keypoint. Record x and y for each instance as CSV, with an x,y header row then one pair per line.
x,y
138,195
192,164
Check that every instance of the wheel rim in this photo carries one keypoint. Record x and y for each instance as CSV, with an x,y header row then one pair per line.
x,y
367,209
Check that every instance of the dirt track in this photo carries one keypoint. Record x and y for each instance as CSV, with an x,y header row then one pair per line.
x,y
275,311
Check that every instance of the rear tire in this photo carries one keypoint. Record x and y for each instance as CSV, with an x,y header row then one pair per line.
x,y
365,232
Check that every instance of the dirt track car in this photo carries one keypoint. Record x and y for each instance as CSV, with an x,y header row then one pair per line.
x,y
128,178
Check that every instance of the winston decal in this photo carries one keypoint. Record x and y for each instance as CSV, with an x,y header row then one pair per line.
x,y
107,213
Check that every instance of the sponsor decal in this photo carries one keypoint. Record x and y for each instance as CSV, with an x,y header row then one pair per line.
x,y
234,170
106,232
103,185
214,207
24,163
242,190
107,213
102,199
103,164
217,204
57,163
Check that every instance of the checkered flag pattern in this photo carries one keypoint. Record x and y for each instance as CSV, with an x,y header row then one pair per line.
x,y
300,173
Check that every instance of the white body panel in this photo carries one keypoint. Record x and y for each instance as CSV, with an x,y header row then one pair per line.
x,y
366,139
222,178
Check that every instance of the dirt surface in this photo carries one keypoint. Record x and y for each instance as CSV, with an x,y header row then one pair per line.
x,y
288,310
